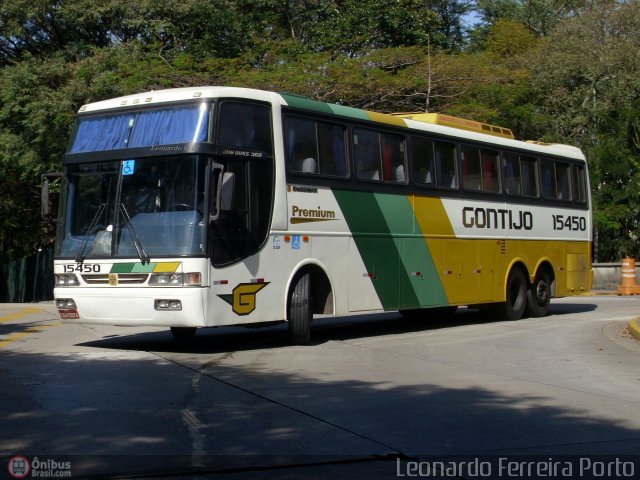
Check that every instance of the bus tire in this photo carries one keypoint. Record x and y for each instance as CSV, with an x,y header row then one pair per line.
x,y
539,295
516,296
183,333
300,311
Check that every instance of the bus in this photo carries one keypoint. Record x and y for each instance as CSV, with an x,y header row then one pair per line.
x,y
218,206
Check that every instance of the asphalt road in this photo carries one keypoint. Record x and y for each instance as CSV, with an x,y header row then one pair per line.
x,y
371,393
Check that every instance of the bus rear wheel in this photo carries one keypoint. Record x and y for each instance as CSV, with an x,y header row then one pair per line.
x,y
539,295
183,333
300,314
516,296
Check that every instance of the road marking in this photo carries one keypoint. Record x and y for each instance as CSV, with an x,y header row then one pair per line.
x,y
14,337
22,313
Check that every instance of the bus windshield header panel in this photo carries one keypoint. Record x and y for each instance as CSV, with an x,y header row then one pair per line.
x,y
144,128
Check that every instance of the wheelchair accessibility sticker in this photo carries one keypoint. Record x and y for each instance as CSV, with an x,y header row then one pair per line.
x,y
128,167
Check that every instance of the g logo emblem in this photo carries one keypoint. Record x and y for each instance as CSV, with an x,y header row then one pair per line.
x,y
243,297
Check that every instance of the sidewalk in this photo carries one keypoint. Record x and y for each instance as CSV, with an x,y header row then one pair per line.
x,y
634,328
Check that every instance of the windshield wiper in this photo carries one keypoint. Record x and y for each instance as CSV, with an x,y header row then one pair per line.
x,y
96,218
144,258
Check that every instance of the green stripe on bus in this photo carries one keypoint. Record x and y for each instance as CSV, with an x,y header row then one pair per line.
x,y
121,268
378,249
133,267
140,268
321,107
306,103
349,112
405,272
418,280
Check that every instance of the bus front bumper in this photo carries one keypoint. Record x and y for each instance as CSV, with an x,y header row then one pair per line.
x,y
170,307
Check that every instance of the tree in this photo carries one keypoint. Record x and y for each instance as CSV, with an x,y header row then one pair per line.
x,y
540,16
586,79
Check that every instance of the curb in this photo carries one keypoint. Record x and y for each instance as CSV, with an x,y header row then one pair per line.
x,y
634,327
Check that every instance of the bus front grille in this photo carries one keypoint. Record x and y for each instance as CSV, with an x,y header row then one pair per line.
x,y
123,278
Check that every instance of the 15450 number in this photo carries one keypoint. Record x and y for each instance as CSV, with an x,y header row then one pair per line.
x,y
81,268
569,222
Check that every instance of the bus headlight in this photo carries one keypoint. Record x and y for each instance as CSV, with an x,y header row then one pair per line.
x,y
65,303
67,280
191,279
167,304
166,280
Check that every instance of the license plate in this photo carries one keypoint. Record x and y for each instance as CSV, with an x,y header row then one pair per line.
x,y
64,314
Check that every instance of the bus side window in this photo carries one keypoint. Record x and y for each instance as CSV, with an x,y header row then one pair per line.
x,y
529,176
471,173
490,177
393,164
245,125
579,184
331,145
315,147
366,152
548,179
301,145
445,157
562,181
422,158
512,174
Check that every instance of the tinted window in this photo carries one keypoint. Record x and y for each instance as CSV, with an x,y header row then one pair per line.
x,y
445,159
529,176
579,184
379,156
422,156
548,180
245,125
519,175
315,147
555,180
480,169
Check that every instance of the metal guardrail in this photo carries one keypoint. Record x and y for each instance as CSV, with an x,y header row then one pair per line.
x,y
29,279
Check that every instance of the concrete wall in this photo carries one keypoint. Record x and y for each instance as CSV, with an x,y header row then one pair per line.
x,y
608,276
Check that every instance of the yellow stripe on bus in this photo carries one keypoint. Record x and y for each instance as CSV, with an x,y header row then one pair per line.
x,y
166,267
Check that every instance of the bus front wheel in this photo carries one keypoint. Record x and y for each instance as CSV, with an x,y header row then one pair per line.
x,y
300,314
516,296
539,295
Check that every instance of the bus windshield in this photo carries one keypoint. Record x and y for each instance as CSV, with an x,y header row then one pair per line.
x,y
125,207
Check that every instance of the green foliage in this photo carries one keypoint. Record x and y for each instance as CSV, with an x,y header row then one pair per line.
x,y
560,70
586,80
539,16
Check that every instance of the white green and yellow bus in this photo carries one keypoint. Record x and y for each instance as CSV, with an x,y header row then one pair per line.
x,y
215,206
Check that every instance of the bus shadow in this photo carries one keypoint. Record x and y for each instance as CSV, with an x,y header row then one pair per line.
x,y
324,329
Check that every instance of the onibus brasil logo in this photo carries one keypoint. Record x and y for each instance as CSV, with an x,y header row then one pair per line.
x,y
243,297
20,467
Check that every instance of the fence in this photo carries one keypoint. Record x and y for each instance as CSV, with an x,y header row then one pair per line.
x,y
29,279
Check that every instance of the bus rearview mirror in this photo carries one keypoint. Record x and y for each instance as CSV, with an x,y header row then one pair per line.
x,y
225,190
46,205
